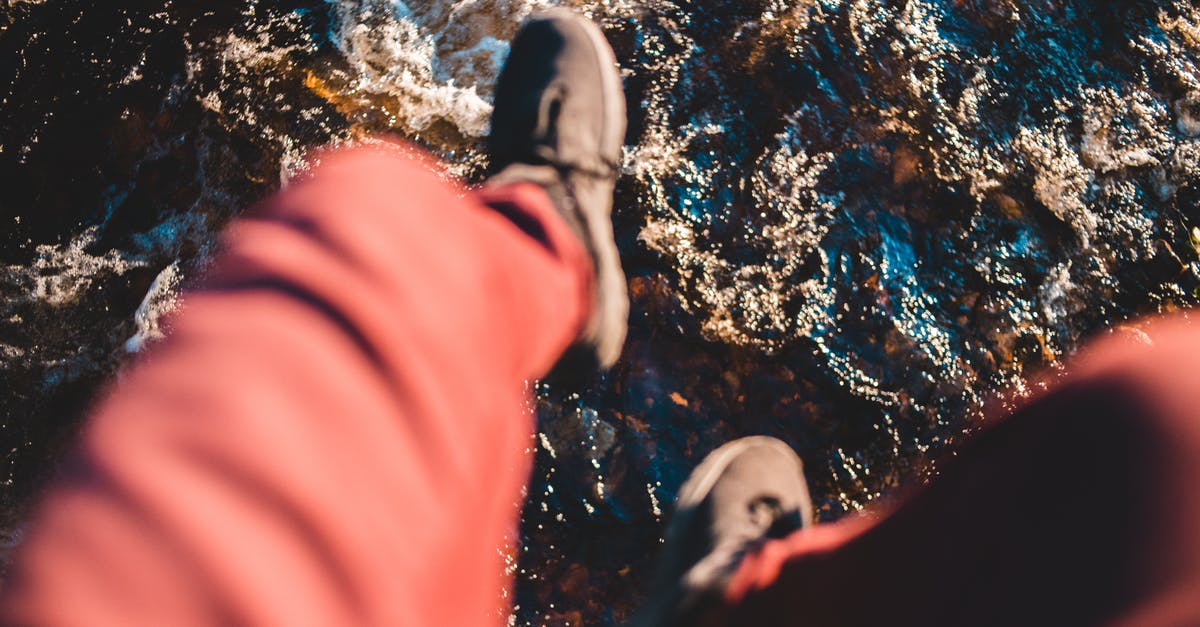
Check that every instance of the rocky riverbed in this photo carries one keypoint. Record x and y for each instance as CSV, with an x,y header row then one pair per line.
x,y
846,223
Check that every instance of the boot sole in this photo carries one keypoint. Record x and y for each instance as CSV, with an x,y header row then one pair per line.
x,y
614,94
598,349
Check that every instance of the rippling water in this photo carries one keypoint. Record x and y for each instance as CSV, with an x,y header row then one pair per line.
x,y
846,223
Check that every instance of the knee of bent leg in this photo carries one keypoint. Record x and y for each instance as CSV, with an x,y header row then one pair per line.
x,y
1147,382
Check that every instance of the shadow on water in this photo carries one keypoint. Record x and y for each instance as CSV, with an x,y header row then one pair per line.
x,y
846,224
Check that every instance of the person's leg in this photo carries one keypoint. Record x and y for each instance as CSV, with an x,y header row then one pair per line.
x,y
332,433
1082,508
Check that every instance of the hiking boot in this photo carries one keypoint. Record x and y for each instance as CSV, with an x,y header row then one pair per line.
x,y
559,122
744,493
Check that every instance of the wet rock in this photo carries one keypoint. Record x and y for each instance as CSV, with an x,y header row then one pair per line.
x,y
846,223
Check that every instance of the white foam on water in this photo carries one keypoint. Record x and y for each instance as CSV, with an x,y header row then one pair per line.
x,y
438,61
60,274
396,51
160,299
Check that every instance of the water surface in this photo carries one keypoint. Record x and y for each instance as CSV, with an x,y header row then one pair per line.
x,y
846,223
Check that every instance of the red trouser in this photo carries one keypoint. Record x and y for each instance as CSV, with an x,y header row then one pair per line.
x,y
333,434
1082,508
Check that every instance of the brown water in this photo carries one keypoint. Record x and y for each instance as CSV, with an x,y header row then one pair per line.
x,y
846,223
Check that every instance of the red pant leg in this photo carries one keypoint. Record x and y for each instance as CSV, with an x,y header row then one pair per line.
x,y
333,431
1082,508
